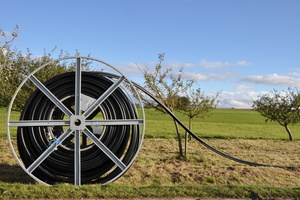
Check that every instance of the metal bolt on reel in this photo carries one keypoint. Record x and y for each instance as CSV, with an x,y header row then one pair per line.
x,y
78,127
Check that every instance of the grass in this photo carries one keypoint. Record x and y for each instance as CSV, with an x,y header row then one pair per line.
x,y
120,191
157,172
224,123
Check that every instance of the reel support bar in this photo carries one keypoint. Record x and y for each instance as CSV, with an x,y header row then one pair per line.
x,y
104,96
28,123
114,122
48,151
77,157
50,96
111,122
105,150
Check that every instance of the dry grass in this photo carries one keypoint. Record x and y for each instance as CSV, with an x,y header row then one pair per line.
x,y
157,164
158,173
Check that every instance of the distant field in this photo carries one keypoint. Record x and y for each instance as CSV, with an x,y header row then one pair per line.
x,y
3,115
224,123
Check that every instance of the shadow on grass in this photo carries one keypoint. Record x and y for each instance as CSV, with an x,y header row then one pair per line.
x,y
14,174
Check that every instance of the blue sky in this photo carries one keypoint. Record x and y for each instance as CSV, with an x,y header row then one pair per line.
x,y
242,47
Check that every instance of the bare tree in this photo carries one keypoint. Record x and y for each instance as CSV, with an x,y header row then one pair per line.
x,y
196,105
166,86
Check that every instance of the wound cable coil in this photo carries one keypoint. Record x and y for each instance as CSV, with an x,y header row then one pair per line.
x,y
96,167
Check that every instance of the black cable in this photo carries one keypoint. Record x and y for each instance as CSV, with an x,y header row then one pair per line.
x,y
193,134
96,167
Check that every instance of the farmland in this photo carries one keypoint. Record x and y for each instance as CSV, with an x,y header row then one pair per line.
x,y
157,172
224,123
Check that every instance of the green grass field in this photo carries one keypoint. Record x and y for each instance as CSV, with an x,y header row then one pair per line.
x,y
224,123
157,172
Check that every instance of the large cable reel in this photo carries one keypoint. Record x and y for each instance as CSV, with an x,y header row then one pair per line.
x,y
78,127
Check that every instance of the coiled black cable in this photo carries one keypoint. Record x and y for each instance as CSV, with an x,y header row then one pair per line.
x,y
96,167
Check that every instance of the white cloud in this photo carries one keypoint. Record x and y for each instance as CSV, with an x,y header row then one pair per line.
x,y
237,99
294,74
205,77
273,79
210,65
215,70
242,63
234,103
196,76
209,76
129,67
242,88
218,65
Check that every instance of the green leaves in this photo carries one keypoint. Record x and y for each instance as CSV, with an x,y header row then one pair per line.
x,y
15,65
283,107
198,105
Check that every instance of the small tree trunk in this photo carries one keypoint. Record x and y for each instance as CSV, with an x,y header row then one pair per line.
x,y
190,128
289,132
187,137
186,143
179,139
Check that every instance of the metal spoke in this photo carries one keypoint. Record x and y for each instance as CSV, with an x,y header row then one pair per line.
x,y
77,159
104,96
48,151
114,122
107,122
105,150
51,96
77,86
28,123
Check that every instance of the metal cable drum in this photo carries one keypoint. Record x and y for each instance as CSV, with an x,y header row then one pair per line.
x,y
78,127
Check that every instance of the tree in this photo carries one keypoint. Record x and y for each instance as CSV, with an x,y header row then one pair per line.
x,y
15,65
196,105
282,107
7,39
166,86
